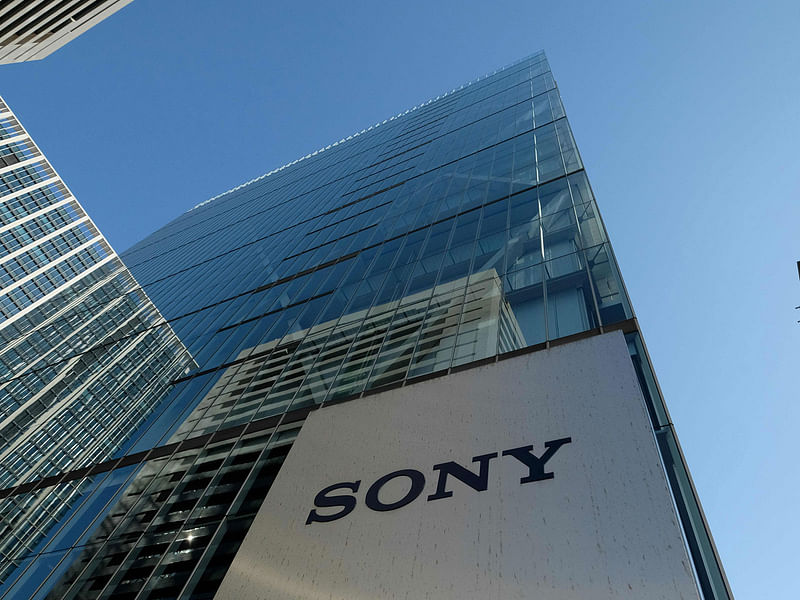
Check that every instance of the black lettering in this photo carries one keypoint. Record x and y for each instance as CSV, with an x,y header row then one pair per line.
x,y
477,481
534,463
323,500
417,484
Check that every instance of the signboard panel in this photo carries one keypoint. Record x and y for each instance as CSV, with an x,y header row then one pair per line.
x,y
534,477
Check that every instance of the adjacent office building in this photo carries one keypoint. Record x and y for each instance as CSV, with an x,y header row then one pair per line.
x,y
85,356
33,29
414,372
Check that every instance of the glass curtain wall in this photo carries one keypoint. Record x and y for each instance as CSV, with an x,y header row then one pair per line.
x,y
458,231
84,356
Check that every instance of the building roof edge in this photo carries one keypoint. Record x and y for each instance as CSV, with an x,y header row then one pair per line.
x,y
370,128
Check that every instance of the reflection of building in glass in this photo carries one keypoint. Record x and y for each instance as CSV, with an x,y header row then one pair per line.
x,y
458,231
84,361
33,29
222,484
263,381
415,334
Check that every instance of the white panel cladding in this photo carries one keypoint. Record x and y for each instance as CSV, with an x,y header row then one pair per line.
x,y
602,527
37,28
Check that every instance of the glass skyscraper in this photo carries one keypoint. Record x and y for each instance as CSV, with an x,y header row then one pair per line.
x,y
85,356
455,234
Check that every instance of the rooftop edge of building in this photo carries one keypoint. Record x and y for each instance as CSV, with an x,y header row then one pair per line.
x,y
370,128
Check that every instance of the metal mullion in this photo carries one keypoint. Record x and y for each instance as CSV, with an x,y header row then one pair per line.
x,y
319,354
33,187
208,411
31,162
27,552
129,377
463,306
35,510
27,521
324,342
97,557
360,324
541,231
541,234
399,302
325,346
471,271
112,305
502,276
69,400
582,249
19,137
59,20
264,361
74,304
268,447
357,333
36,214
116,576
62,344
147,587
433,295
62,258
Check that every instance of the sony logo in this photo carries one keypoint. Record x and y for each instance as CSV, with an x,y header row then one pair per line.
x,y
478,481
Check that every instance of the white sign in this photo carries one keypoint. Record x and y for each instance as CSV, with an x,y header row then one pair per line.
x,y
534,477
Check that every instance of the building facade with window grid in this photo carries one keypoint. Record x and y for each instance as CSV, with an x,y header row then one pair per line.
x,y
34,29
82,366
459,231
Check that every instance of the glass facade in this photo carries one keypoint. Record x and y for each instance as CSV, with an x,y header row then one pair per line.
x,y
459,231
83,363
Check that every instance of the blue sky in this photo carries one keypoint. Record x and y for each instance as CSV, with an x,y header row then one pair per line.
x,y
686,114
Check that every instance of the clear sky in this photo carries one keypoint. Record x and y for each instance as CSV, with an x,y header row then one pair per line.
x,y
686,114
